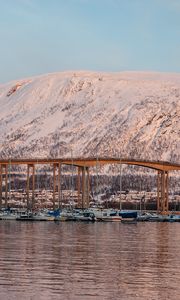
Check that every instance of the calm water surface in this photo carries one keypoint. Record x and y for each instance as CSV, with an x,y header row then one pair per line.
x,y
72,261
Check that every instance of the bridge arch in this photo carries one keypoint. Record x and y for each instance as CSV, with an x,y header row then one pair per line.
x,y
83,164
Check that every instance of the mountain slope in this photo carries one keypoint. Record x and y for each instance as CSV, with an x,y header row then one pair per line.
x,y
130,114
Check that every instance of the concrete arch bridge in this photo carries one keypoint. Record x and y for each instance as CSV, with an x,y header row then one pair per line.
x,y
83,164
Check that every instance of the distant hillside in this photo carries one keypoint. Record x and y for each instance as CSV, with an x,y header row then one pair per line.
x,y
135,115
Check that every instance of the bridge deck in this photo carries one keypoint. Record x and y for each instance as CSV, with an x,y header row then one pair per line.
x,y
91,161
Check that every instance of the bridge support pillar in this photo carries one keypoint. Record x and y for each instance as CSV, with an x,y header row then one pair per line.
x,y
29,168
85,187
88,187
4,171
59,187
6,185
1,186
162,192
55,166
33,185
56,186
79,187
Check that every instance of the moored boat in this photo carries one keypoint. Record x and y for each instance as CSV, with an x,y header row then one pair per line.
x,y
143,217
40,216
128,214
85,216
174,218
106,215
8,216
25,216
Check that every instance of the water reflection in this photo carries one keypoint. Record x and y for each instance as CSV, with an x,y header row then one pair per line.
x,y
89,261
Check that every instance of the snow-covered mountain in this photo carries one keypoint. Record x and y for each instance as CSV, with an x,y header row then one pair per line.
x,y
131,114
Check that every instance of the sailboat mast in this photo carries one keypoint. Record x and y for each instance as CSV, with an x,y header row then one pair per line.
x,y
9,180
72,174
120,183
97,179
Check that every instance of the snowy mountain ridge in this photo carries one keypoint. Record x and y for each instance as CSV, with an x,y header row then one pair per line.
x,y
127,114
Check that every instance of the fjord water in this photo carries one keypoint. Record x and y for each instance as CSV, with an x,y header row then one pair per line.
x,y
87,261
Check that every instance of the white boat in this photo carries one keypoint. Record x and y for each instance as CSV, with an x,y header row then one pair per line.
x,y
8,216
25,216
143,217
174,218
106,215
86,216
34,216
111,219
65,215
40,216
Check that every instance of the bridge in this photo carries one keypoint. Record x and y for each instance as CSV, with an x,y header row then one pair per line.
x,y
83,164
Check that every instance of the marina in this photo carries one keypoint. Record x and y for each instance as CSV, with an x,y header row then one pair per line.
x,y
81,210
88,215
82,167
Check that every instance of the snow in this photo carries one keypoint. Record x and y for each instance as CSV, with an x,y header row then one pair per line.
x,y
136,114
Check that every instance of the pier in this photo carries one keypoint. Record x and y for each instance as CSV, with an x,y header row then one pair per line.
x,y
83,164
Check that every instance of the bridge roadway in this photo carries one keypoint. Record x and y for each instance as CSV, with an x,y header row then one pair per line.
x,y
91,161
83,164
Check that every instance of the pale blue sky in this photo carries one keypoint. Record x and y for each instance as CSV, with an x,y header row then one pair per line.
x,y
42,36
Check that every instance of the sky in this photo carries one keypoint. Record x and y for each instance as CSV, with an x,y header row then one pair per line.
x,y
44,36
